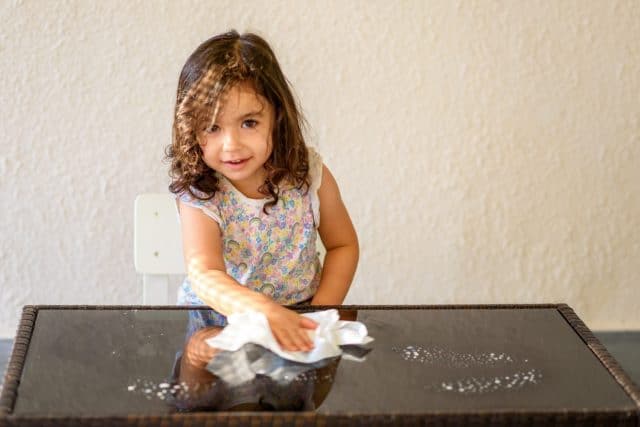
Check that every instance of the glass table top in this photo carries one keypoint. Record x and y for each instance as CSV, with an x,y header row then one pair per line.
x,y
111,362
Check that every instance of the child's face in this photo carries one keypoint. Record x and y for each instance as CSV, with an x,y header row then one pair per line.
x,y
239,143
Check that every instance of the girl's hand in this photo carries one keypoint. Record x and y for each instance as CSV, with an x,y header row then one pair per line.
x,y
290,328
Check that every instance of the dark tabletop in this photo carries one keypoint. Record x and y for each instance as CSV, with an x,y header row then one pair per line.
x,y
113,362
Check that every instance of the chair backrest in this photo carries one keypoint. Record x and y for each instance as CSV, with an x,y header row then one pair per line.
x,y
157,245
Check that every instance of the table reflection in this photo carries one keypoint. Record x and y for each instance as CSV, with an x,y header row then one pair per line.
x,y
249,379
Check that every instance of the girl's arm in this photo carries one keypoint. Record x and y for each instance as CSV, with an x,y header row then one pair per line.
x,y
202,243
341,242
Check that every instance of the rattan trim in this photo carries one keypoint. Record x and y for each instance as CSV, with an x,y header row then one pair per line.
x,y
602,354
241,419
304,308
16,362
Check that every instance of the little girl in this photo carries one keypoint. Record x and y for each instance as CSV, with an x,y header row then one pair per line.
x,y
252,196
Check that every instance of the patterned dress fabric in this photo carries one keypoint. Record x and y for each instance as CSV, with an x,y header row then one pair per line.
x,y
273,253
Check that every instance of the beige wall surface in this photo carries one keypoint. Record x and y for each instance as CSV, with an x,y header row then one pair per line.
x,y
488,151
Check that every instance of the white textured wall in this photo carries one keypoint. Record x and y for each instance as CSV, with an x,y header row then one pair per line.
x,y
489,152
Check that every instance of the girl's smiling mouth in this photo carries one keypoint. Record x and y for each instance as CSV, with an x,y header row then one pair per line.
x,y
237,163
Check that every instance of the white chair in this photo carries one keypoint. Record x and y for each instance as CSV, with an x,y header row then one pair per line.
x,y
157,245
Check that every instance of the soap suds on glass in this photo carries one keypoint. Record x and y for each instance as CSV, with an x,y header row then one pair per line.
x,y
433,355
307,377
515,377
479,385
165,390
162,391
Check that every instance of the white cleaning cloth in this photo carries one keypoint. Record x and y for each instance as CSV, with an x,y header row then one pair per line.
x,y
331,333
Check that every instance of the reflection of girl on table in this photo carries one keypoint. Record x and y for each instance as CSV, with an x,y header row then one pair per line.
x,y
199,389
252,196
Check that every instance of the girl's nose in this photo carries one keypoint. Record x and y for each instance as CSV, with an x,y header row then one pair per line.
x,y
230,141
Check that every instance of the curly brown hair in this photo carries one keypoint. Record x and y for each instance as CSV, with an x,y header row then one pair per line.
x,y
213,68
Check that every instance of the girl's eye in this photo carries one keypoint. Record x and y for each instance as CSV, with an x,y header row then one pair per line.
x,y
212,129
249,124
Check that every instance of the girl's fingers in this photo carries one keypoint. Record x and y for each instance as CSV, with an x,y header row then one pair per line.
x,y
287,341
308,338
302,340
294,340
297,341
305,322
291,329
